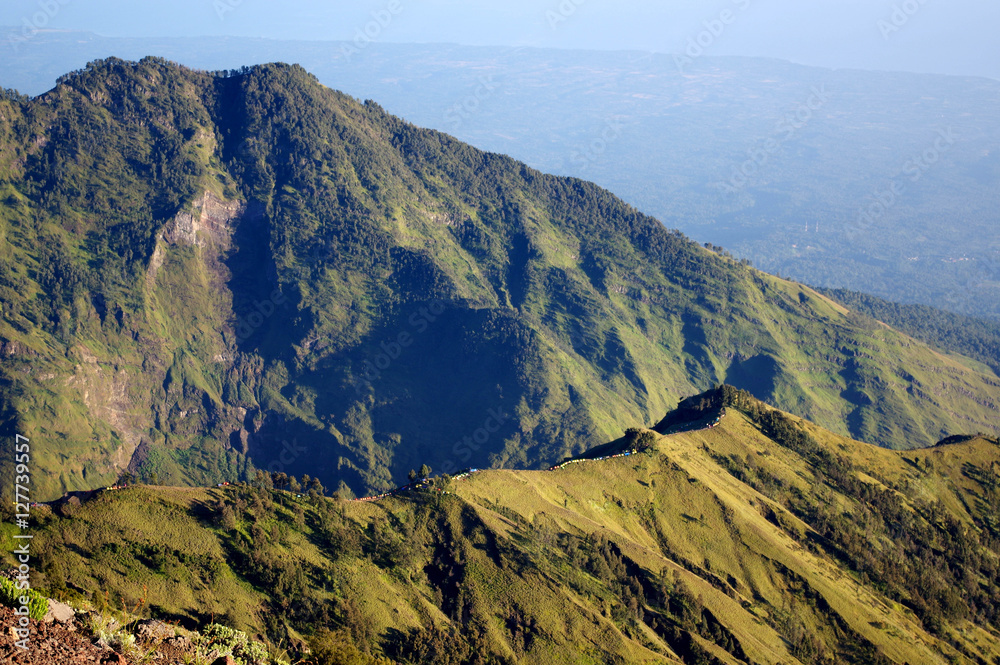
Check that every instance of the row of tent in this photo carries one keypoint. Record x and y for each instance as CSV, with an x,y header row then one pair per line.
x,y
627,453
417,485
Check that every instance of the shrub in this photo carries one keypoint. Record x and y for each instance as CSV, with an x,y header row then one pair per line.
x,y
10,595
236,643
336,648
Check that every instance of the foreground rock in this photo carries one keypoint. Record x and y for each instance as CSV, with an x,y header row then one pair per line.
x,y
58,641
59,612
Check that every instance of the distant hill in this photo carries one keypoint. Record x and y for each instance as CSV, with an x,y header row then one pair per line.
x,y
878,182
202,273
764,539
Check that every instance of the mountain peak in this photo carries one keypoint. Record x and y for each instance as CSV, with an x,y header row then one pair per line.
x,y
707,406
384,294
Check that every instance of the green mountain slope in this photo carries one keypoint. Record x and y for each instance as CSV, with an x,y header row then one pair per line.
x,y
762,540
199,270
976,338
770,159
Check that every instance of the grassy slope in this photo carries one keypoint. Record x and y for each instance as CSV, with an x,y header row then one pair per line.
x,y
977,338
564,307
498,553
93,338
715,522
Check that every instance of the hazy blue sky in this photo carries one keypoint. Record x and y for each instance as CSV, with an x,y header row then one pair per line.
x,y
953,36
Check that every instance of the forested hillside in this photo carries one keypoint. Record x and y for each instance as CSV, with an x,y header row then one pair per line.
x,y
970,336
204,272
880,182
762,539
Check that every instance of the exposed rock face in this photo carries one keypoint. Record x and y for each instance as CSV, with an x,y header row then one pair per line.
x,y
399,289
210,222
54,642
159,352
107,393
209,225
152,631
12,348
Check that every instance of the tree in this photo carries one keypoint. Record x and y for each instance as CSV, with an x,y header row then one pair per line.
x,y
425,471
293,485
337,648
412,475
262,480
225,516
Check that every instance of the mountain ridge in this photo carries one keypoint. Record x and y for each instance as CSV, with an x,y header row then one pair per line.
x,y
239,250
678,138
763,539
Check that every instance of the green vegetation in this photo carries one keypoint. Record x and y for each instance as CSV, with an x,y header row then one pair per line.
x,y
230,642
768,168
200,270
976,338
958,585
11,595
764,539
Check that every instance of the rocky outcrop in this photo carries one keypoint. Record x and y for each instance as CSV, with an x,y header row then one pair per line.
x,y
208,225
11,348
60,612
209,222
